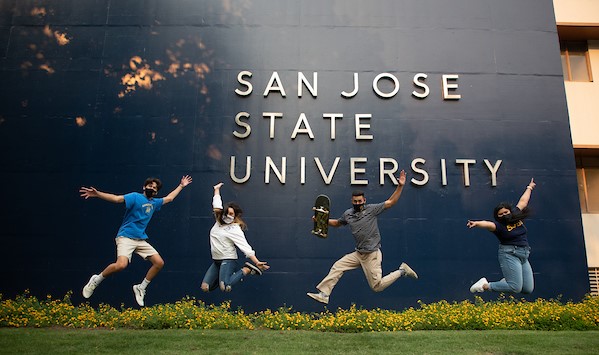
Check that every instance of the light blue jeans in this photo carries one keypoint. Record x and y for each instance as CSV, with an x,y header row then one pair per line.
x,y
222,271
517,272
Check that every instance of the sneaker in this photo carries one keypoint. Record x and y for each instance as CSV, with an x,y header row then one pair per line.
x,y
407,271
139,293
88,289
320,297
254,270
478,286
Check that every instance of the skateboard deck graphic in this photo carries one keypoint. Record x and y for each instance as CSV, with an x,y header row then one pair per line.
x,y
321,209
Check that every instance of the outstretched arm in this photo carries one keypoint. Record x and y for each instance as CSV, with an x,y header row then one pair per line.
x,y
490,226
331,222
87,192
395,196
523,202
185,180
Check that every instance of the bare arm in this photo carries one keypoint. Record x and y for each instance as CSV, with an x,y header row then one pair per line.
x,y
490,226
334,223
523,202
185,180
87,192
392,200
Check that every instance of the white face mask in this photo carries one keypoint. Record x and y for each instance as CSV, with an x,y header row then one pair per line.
x,y
228,219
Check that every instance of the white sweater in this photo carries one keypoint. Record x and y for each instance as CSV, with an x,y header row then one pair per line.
x,y
224,238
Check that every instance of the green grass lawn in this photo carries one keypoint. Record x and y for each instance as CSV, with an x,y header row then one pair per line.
x,y
124,341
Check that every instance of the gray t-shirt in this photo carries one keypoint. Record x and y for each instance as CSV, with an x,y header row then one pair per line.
x,y
364,226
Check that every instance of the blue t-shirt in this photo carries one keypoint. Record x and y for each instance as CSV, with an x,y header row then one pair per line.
x,y
511,234
138,214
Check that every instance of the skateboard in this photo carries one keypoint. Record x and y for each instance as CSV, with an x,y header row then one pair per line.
x,y
321,209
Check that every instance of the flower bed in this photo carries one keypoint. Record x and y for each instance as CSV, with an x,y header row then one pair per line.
x,y
504,313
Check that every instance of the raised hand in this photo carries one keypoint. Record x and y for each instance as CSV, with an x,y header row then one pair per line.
x,y
185,180
402,177
218,186
87,192
532,184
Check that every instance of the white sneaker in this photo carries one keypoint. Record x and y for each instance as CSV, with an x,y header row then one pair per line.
x,y
140,293
88,289
407,271
478,286
320,297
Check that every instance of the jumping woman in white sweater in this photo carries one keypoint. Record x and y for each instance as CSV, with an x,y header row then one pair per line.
x,y
225,236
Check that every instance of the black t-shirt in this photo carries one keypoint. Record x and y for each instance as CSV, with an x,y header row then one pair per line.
x,y
512,234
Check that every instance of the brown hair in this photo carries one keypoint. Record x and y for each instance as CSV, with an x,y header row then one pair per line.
x,y
153,179
238,212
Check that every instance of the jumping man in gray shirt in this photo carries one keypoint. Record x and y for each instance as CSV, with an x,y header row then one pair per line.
x,y
363,221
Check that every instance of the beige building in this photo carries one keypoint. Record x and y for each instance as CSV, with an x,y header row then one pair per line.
x,y
578,30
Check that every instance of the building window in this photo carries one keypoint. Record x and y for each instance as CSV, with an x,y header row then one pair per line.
x,y
576,64
587,172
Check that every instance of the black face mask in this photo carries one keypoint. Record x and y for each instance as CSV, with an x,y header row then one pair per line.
x,y
358,207
507,219
149,193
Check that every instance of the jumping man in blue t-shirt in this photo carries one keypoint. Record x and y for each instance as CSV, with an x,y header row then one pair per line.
x,y
132,236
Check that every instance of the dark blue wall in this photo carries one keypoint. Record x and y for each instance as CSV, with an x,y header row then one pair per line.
x,y
67,120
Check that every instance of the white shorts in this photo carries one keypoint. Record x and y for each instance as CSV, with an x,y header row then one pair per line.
x,y
126,246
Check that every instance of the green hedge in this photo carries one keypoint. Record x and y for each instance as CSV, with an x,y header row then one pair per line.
x,y
504,313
